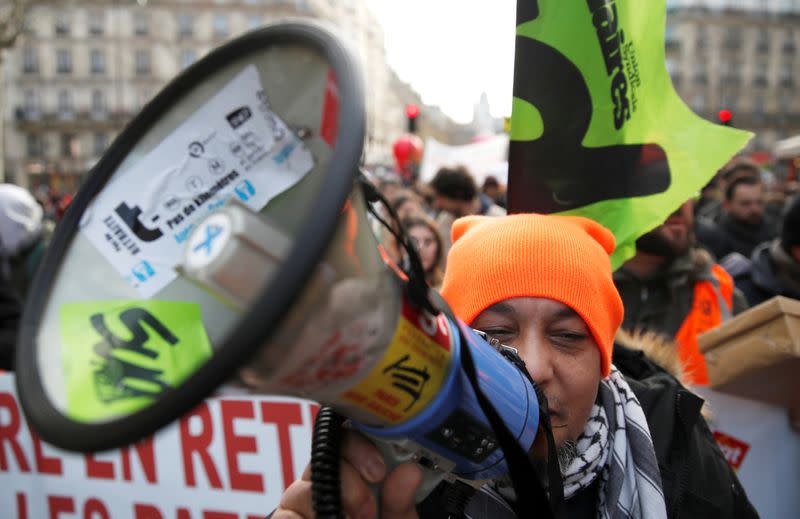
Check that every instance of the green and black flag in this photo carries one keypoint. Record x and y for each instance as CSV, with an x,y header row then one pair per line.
x,y
597,129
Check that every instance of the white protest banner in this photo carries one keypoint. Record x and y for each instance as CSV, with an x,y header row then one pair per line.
x,y
230,458
483,158
765,452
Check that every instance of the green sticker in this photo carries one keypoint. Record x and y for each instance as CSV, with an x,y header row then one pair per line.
x,y
119,356
597,128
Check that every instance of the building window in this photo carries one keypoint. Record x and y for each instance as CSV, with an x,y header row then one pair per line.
x,y
728,101
34,145
729,69
762,42
787,79
96,22
63,61
700,76
788,44
702,38
28,26
220,25
70,145
97,61
671,38
760,77
63,23
142,62
141,24
733,38
64,103
30,60
98,102
100,143
786,102
185,25
699,102
187,58
31,106
254,21
758,105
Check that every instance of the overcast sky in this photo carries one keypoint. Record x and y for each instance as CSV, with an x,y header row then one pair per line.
x,y
452,50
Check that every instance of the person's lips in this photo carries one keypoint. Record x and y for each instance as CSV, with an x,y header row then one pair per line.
x,y
557,420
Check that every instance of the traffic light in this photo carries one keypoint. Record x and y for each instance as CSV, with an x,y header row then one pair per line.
x,y
725,117
412,112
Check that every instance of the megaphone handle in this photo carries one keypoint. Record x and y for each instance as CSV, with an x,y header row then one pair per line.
x,y
394,453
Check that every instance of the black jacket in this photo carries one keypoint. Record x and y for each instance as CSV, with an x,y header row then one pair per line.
x,y
769,272
10,310
729,236
696,478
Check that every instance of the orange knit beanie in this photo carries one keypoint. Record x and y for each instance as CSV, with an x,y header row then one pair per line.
x,y
564,258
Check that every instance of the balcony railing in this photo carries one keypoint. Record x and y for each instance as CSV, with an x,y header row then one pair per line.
x,y
760,81
733,43
27,114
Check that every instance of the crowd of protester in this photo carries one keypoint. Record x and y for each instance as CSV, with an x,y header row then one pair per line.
x,y
733,247
739,240
737,244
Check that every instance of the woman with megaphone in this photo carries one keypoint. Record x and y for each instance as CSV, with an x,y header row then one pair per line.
x,y
630,438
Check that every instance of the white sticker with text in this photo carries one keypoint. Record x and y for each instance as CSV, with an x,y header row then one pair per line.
x,y
233,146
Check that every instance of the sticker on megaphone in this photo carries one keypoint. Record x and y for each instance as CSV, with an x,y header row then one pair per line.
x,y
234,146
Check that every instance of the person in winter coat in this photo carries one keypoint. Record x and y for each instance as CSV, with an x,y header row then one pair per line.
x,y
774,267
743,224
676,289
22,244
630,438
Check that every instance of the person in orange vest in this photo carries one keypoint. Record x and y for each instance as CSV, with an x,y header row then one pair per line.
x,y
676,289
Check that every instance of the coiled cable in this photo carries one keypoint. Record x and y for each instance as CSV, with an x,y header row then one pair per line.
x,y
326,488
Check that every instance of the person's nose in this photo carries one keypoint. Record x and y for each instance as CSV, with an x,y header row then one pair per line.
x,y
538,358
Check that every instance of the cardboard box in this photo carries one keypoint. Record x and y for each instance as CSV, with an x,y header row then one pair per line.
x,y
757,354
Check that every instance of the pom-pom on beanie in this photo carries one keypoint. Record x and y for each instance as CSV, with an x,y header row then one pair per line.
x,y
564,258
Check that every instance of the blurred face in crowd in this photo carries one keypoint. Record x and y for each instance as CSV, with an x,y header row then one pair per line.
x,y
747,204
492,191
408,208
427,246
391,190
457,208
559,352
672,238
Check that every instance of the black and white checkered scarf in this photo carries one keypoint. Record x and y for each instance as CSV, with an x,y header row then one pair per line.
x,y
616,447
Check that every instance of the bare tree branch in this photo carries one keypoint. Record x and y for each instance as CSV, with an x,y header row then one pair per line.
x,y
12,19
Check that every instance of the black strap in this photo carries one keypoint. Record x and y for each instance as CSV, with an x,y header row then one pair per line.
x,y
553,469
417,287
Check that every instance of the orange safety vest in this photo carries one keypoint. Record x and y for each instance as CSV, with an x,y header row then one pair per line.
x,y
712,305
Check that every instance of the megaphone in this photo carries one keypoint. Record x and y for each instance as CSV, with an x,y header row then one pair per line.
x,y
223,237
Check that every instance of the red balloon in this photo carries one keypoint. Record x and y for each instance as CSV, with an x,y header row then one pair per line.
x,y
407,153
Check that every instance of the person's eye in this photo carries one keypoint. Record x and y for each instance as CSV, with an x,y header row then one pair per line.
x,y
501,334
569,338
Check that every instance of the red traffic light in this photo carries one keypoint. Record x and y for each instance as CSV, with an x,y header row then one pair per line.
x,y
725,116
412,111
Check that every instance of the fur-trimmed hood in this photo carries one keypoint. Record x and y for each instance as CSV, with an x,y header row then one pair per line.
x,y
661,351
657,348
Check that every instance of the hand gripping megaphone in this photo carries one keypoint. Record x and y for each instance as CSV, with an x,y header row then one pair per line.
x,y
223,237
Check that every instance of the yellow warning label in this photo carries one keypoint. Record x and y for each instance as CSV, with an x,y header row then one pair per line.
x,y
407,377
